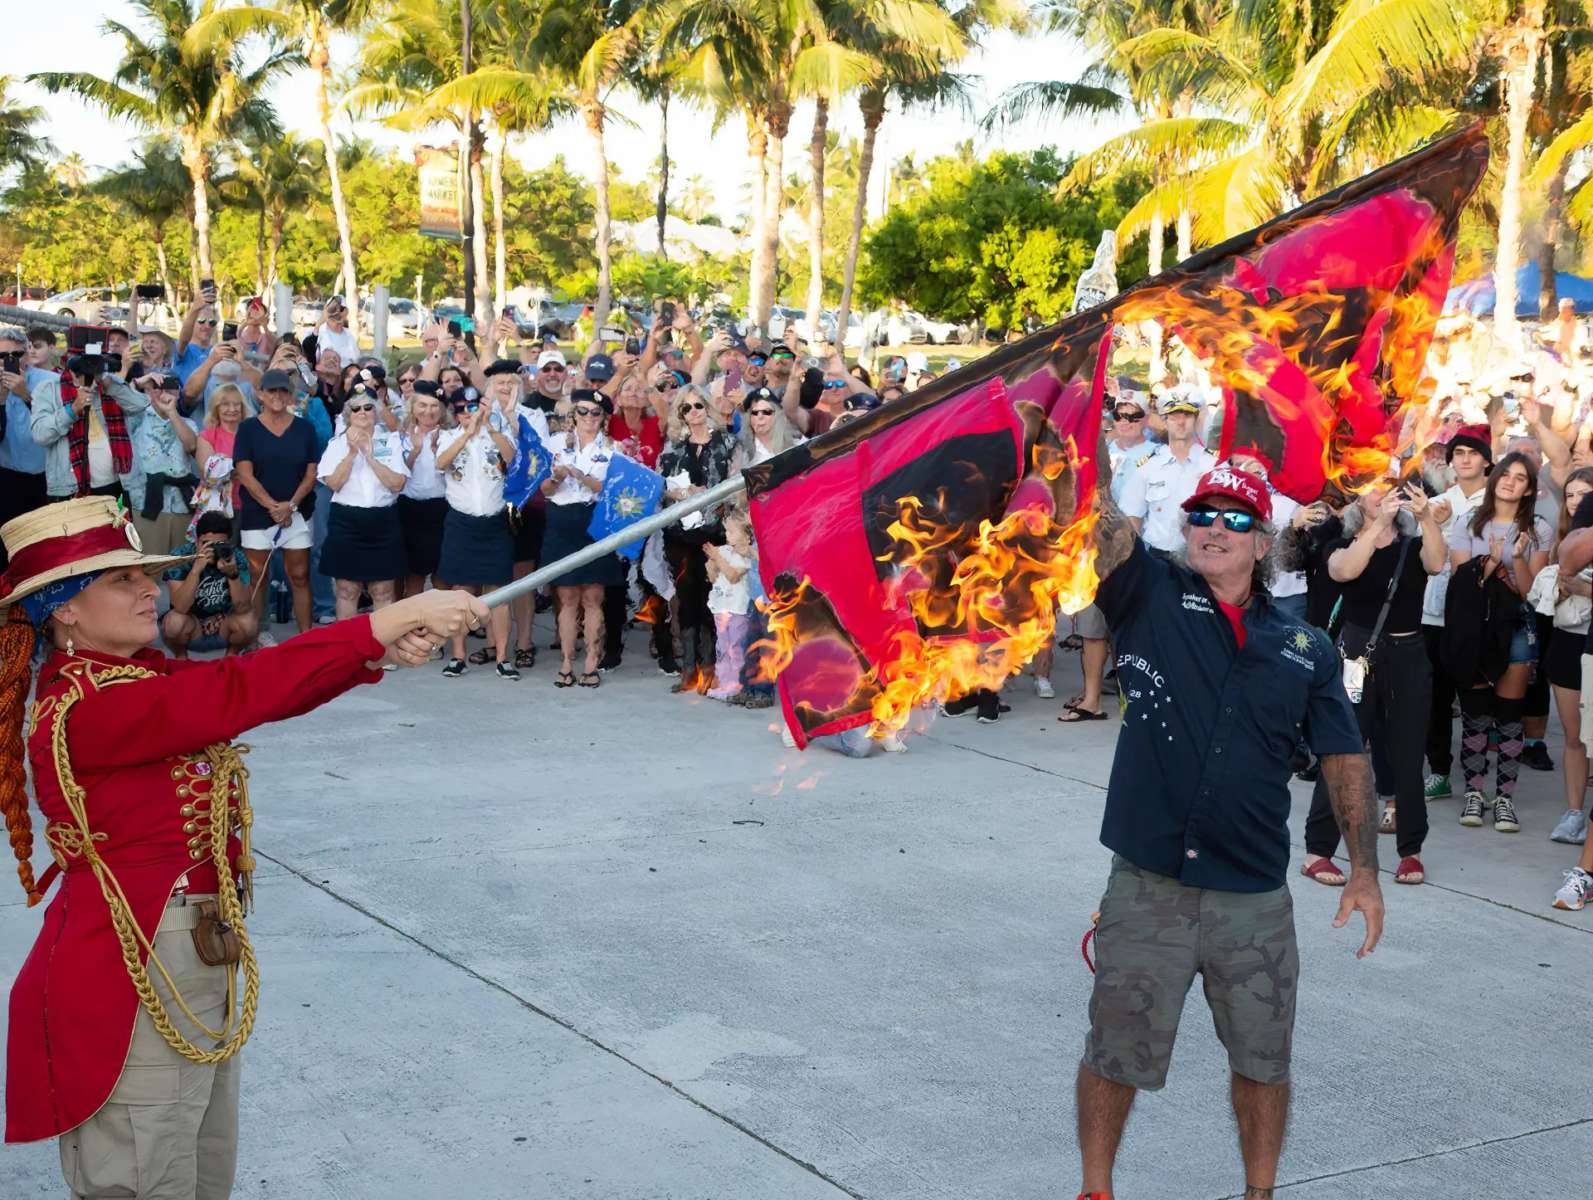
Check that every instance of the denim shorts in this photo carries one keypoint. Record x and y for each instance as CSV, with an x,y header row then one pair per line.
x,y
1524,640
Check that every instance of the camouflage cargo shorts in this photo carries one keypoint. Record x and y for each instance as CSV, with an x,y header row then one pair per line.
x,y
1154,936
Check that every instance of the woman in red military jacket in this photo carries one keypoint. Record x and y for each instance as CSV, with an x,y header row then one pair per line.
x,y
128,1015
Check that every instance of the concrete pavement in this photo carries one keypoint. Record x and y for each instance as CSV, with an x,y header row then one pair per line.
x,y
524,942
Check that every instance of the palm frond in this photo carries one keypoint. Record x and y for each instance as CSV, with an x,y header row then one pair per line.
x,y
222,28
1576,136
829,69
1052,100
115,100
1183,140
1374,41
1225,198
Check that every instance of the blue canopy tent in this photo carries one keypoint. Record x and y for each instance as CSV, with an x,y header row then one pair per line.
x,y
1477,296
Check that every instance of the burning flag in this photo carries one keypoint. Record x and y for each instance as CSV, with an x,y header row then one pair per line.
x,y
920,552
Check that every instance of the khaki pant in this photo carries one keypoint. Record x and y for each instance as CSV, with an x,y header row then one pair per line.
x,y
162,533
169,1130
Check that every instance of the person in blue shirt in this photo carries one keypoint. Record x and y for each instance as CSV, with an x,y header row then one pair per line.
x,y
197,337
21,458
1219,686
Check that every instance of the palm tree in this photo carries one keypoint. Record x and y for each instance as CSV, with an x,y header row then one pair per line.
x,y
273,177
203,96
71,172
154,189
592,48
696,198
310,24
19,145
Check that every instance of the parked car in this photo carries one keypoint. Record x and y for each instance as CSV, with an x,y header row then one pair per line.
x,y
31,297
943,333
826,329
453,309
85,304
306,313
405,318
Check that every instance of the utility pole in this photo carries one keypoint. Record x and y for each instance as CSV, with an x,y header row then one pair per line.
x,y
467,213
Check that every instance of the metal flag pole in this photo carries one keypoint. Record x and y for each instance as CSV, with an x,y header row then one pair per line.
x,y
647,525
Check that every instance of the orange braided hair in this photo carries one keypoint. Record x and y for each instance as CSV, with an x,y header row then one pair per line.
x,y
16,662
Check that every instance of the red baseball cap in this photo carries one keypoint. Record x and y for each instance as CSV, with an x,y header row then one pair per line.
x,y
1235,484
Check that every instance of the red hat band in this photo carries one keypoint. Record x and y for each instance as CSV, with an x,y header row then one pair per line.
x,y
50,553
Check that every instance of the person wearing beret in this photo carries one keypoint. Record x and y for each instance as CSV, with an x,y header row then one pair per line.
x,y
129,1014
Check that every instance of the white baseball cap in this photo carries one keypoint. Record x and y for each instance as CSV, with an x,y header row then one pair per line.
x,y
551,356
917,361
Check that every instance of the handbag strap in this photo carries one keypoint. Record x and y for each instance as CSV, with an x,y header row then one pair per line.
x,y
1388,600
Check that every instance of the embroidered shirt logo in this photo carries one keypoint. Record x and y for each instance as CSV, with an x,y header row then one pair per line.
x,y
1234,482
1195,602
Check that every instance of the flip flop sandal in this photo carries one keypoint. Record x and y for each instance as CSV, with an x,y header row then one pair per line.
x,y
1325,871
525,658
1385,823
564,679
1080,715
591,679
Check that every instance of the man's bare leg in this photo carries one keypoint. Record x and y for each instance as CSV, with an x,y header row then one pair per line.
x,y
1103,1108
1262,1113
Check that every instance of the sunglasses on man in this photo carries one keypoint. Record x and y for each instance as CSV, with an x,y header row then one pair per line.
x,y
1128,415
1232,519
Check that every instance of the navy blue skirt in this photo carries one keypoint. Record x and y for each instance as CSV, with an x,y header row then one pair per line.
x,y
363,544
421,522
476,551
566,533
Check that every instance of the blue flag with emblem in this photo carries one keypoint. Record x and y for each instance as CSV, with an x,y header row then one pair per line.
x,y
630,492
532,464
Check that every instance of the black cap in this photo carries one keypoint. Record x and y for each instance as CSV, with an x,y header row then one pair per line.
x,y
599,368
374,369
861,402
426,387
592,396
759,393
502,366
276,380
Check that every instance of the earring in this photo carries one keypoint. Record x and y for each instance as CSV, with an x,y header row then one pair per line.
x,y
70,648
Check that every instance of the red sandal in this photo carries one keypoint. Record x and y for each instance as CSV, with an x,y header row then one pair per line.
x,y
1325,871
1410,870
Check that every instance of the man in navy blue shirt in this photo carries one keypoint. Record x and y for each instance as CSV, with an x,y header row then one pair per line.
x,y
1220,686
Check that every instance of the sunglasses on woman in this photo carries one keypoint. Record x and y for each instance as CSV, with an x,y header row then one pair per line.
x,y
1232,518
359,408
760,412
1127,417
587,410
695,405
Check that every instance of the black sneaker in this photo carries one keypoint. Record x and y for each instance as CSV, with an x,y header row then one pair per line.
x,y
1536,756
478,633
454,669
956,708
991,708
668,666
609,663
507,671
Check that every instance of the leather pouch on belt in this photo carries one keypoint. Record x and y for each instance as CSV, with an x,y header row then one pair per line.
x,y
215,941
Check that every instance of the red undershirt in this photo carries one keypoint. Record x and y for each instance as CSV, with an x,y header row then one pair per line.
x,y
1236,617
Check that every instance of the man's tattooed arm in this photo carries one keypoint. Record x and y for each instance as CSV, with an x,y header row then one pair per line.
x,y
1354,799
1350,790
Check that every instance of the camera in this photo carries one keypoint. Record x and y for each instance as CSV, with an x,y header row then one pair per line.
x,y
149,291
229,331
666,312
632,346
221,550
11,362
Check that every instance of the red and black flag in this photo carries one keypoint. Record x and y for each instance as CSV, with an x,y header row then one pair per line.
x,y
920,551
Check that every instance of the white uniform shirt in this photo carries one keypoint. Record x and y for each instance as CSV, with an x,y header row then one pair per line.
x,y
1125,461
474,480
761,453
1156,493
363,489
1461,510
425,481
593,460
348,350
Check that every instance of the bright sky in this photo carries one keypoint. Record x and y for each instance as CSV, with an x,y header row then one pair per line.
x,y
66,34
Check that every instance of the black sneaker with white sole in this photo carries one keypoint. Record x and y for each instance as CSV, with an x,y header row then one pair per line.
x,y
454,669
507,671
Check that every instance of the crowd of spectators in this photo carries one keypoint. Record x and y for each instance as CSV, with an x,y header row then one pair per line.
x,y
308,483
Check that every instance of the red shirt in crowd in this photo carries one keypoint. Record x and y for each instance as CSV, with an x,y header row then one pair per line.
x,y
642,443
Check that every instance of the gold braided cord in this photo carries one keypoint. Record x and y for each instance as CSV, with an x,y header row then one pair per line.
x,y
228,776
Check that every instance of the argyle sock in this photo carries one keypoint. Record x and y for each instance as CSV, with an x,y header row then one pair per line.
x,y
1474,750
1510,747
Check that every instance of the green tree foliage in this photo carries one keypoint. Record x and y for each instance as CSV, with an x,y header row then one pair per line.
x,y
993,241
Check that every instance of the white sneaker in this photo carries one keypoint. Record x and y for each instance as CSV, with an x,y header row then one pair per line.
x,y
1043,688
786,738
265,639
1574,892
1572,828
